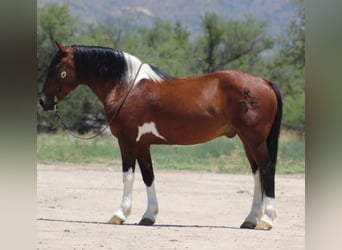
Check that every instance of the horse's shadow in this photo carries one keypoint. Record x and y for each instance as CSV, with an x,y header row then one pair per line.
x,y
137,225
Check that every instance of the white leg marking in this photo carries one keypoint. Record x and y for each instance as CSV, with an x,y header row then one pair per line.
x,y
257,204
152,203
147,128
126,204
270,211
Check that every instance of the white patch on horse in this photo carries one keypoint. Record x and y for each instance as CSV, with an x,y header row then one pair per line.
x,y
146,72
126,204
147,128
257,204
152,203
270,211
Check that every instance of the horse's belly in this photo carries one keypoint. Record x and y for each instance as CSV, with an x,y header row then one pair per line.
x,y
197,133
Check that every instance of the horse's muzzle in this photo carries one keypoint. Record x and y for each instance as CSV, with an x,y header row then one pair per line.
x,y
47,102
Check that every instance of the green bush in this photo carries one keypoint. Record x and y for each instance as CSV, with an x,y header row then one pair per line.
x,y
222,155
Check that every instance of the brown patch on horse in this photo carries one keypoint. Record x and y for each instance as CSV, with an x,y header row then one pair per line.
x,y
231,133
243,106
249,102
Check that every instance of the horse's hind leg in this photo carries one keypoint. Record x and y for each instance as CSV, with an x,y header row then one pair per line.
x,y
267,174
145,163
264,184
256,211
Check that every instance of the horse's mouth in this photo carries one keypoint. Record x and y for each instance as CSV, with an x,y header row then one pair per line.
x,y
52,108
49,105
55,106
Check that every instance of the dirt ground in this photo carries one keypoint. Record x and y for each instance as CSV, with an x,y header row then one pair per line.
x,y
196,211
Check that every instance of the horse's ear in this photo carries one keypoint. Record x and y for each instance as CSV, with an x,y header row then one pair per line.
x,y
61,48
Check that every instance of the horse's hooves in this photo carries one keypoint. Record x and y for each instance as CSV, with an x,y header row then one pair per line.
x,y
263,226
146,222
248,225
115,220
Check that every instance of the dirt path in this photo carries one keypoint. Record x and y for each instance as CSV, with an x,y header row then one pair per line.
x,y
197,211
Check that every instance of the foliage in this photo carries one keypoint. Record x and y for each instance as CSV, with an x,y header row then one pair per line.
x,y
233,44
237,44
221,155
288,70
54,22
164,45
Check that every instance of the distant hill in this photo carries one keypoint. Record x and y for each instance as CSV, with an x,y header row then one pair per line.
x,y
276,12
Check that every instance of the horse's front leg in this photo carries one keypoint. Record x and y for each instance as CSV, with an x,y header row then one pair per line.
x,y
145,163
128,155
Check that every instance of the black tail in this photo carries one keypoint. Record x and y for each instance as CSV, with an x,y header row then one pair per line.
x,y
268,171
273,136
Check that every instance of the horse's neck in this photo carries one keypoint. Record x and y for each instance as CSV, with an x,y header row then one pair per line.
x,y
104,90
136,70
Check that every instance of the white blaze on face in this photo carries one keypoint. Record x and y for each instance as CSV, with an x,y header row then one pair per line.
x,y
147,128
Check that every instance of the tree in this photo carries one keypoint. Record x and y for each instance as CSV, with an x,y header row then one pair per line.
x,y
294,44
54,22
103,34
288,70
236,44
165,45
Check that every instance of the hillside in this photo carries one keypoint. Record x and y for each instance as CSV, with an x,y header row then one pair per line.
x,y
276,13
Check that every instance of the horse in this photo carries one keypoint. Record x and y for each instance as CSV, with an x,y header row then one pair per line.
x,y
152,107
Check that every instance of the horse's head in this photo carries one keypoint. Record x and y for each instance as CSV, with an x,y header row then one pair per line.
x,y
60,80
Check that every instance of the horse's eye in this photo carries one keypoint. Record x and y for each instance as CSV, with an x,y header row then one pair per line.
x,y
63,74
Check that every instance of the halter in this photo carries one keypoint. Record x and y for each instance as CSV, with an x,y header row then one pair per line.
x,y
60,118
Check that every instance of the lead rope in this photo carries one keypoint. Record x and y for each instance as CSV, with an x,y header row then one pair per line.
x,y
60,118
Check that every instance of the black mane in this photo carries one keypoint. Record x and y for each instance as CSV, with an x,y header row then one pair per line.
x,y
99,62
161,74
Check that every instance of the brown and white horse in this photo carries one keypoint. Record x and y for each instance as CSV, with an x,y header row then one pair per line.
x,y
160,109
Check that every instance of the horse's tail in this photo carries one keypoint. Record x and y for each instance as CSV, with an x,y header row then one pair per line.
x,y
273,136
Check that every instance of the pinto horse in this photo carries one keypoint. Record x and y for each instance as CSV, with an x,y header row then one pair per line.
x,y
152,107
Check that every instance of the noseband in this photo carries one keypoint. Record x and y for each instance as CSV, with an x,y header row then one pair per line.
x,y
60,118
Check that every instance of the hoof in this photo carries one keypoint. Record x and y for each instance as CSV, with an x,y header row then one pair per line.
x,y
248,225
146,222
115,220
263,226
